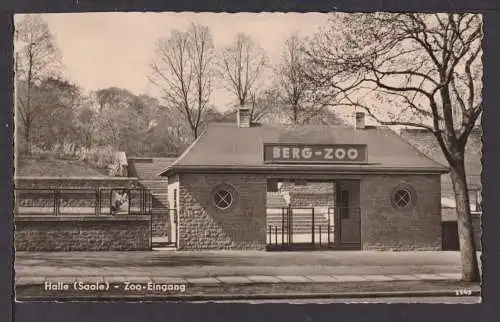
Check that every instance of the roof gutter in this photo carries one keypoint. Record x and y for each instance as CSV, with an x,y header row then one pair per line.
x,y
299,171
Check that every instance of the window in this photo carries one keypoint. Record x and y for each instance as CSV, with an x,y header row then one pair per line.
x,y
223,199
403,197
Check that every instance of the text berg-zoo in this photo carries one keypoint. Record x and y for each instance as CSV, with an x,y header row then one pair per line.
x,y
295,153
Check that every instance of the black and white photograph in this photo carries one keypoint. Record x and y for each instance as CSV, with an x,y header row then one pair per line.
x,y
248,157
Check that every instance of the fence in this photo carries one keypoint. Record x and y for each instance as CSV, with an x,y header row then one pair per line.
x,y
293,226
82,201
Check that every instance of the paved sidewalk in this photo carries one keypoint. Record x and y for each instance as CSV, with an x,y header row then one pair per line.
x,y
236,275
233,263
251,279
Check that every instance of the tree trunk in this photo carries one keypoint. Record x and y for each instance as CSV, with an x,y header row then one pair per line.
x,y
27,137
195,132
295,114
470,268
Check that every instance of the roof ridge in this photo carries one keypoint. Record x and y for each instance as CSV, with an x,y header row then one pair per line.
x,y
225,145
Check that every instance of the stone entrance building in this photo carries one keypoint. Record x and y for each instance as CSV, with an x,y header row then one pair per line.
x,y
386,195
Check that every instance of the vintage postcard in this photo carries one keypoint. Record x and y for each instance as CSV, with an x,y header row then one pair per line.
x,y
248,157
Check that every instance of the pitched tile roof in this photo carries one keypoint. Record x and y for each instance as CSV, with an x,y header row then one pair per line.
x,y
427,144
225,146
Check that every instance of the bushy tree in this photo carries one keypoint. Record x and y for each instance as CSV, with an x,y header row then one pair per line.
x,y
37,58
418,70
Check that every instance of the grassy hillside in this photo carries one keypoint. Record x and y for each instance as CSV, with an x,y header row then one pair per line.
x,y
49,166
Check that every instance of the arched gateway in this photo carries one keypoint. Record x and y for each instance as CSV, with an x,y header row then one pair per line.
x,y
386,195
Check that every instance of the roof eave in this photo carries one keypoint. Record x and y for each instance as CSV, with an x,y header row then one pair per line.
x,y
164,172
308,170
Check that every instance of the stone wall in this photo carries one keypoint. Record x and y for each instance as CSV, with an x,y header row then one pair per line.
x,y
310,194
204,226
82,233
309,187
243,226
311,199
386,228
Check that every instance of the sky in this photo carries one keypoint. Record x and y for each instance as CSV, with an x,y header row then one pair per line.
x,y
102,50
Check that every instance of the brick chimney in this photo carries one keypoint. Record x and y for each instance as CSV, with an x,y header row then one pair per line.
x,y
360,120
243,118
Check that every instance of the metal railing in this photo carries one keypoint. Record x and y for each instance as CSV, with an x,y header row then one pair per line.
x,y
82,201
284,230
305,225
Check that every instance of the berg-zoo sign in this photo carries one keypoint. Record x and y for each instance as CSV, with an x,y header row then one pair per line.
x,y
303,153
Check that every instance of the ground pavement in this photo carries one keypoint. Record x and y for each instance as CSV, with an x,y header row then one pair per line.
x,y
249,272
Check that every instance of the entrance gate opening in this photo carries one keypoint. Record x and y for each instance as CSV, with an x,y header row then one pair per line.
x,y
314,219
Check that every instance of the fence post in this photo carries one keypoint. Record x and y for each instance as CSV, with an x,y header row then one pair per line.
x,y
143,201
56,202
99,201
96,203
289,224
282,226
328,227
150,230
150,196
312,226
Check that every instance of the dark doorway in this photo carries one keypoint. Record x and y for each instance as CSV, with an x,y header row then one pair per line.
x,y
449,233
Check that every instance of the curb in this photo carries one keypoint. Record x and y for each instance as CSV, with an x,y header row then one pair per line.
x,y
240,297
241,280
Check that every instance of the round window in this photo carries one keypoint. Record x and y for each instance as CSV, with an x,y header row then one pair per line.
x,y
223,199
403,197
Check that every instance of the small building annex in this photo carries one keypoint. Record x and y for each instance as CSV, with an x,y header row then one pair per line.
x,y
386,193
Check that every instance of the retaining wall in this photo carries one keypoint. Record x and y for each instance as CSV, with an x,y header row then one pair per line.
x,y
82,233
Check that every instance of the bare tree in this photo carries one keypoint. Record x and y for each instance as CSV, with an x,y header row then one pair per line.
x,y
416,70
298,99
183,70
292,82
265,106
242,64
36,58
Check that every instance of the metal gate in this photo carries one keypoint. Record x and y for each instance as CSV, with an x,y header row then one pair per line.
x,y
161,227
305,228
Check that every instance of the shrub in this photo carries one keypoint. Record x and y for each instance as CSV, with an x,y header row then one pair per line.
x,y
101,157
